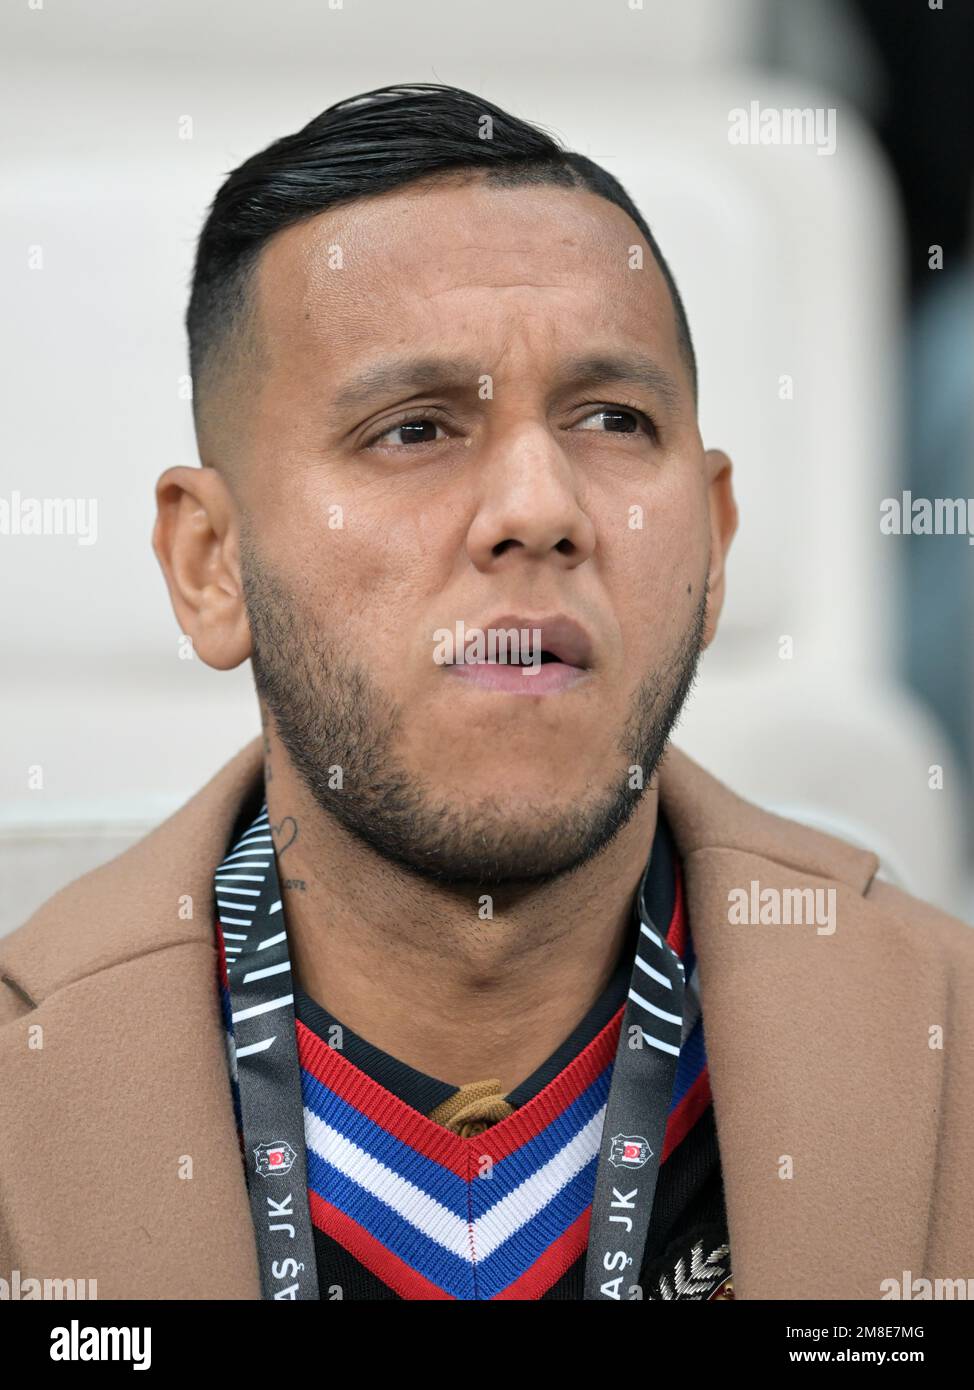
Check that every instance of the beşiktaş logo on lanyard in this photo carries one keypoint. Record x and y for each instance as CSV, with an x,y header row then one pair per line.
x,y
267,1071
636,1113
268,1076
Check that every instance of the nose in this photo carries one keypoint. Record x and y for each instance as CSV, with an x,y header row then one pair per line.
x,y
529,506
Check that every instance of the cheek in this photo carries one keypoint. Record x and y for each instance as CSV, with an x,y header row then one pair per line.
x,y
658,572
364,563
389,563
663,548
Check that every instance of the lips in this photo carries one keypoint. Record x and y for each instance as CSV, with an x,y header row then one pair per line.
x,y
562,638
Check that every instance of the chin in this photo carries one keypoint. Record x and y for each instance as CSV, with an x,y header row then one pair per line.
x,y
519,796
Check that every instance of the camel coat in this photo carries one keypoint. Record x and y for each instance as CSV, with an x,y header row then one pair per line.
x,y
841,1065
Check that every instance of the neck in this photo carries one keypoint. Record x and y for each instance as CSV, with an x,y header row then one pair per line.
x,y
419,970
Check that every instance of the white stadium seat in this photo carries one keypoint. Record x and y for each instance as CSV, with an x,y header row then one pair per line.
x,y
789,264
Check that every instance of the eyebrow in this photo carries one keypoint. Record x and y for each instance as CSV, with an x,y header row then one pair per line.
x,y
441,373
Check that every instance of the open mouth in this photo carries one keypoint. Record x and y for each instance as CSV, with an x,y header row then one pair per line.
x,y
528,659
519,677
525,656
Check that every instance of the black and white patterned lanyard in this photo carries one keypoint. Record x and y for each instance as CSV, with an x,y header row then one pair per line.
x,y
636,1114
264,1058
267,1071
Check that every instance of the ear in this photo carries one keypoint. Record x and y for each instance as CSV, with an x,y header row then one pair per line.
x,y
723,525
196,540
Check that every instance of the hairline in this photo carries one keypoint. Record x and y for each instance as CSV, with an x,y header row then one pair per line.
x,y
243,336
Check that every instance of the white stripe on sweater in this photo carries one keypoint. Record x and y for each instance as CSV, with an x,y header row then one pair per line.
x,y
468,1241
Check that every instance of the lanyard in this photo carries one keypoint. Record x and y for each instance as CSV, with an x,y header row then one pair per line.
x,y
267,1072
636,1114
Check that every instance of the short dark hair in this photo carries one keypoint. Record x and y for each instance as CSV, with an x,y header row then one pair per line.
x,y
358,148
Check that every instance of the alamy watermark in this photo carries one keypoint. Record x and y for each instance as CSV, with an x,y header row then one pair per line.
x,y
77,1343
503,646
803,907
783,125
50,516
913,1286
920,516
26,1288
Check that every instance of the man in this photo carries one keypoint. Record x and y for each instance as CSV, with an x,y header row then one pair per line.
x,y
499,1022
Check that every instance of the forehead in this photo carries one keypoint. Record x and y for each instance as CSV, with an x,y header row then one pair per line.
x,y
435,262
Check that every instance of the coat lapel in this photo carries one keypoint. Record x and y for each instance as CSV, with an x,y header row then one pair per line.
x,y
119,1160
824,1082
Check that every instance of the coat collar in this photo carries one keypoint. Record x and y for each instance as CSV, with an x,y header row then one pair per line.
x,y
825,1092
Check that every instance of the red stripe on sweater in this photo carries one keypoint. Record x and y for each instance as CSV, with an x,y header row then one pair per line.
x,y
434,1141
394,1272
691,1106
676,932
552,1263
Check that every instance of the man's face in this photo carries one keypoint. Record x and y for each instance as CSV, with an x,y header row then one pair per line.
x,y
496,486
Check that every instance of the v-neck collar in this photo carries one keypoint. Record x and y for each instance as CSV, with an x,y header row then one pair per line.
x,y
408,1198
425,1093
405,1196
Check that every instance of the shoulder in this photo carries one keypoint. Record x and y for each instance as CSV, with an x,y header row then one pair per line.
x,y
709,819
948,934
154,895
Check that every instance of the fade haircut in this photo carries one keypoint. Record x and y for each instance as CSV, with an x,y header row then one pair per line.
x,y
358,148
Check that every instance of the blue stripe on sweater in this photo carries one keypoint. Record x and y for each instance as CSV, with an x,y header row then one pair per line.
x,y
462,1278
440,1182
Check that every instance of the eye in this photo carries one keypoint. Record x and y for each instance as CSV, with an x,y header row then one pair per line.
x,y
420,430
619,419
